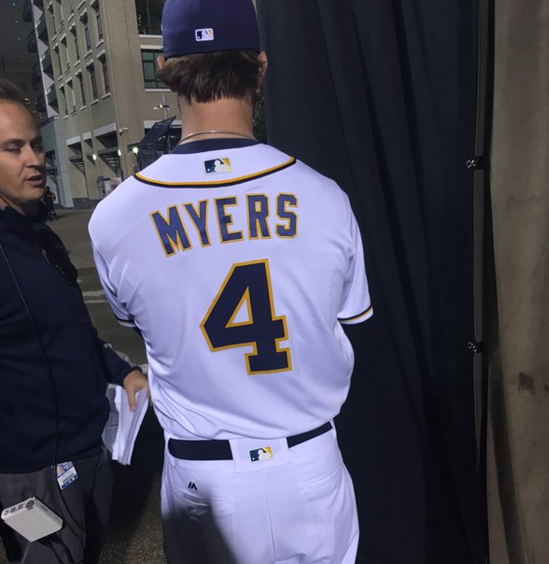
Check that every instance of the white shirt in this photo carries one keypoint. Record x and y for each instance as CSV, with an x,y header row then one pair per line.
x,y
238,266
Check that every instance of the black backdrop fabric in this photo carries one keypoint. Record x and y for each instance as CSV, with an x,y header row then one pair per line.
x,y
381,96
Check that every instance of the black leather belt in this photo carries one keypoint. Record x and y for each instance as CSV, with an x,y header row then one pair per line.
x,y
221,450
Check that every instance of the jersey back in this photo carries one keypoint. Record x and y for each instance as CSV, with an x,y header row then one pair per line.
x,y
238,266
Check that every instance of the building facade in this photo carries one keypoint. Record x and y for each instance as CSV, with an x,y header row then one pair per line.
x,y
16,63
97,66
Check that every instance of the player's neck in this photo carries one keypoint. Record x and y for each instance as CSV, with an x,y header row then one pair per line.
x,y
223,115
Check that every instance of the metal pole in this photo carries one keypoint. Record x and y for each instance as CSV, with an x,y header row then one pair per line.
x,y
165,106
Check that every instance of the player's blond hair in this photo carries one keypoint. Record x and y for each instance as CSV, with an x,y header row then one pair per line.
x,y
209,77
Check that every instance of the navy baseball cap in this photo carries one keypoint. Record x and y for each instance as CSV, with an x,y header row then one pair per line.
x,y
207,26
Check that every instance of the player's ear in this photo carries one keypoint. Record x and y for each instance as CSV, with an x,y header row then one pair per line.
x,y
160,64
264,64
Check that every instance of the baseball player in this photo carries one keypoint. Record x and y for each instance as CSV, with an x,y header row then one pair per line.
x,y
238,264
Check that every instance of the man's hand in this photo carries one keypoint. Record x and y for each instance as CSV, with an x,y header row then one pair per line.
x,y
134,382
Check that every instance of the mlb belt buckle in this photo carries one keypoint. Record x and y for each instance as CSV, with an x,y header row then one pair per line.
x,y
261,454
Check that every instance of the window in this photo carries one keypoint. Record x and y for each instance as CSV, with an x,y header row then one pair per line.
x,y
148,60
66,53
71,97
93,81
60,9
64,100
82,91
99,24
149,16
75,40
58,58
86,25
106,82
50,8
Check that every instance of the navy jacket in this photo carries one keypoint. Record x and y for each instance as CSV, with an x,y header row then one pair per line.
x,y
53,366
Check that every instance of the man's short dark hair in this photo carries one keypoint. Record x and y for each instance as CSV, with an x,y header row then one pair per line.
x,y
208,77
9,92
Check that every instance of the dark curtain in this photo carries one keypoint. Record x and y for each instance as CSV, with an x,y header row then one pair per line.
x,y
381,96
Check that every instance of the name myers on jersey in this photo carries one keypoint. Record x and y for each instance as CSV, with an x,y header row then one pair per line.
x,y
265,217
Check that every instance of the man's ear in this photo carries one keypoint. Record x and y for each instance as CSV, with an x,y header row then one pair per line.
x,y
264,64
160,64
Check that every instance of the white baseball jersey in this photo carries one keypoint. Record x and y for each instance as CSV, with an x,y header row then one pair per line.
x,y
238,266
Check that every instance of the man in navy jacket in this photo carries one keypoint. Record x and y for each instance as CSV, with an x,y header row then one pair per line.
x,y
53,366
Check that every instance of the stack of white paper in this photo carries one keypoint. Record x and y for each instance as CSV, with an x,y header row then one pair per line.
x,y
123,424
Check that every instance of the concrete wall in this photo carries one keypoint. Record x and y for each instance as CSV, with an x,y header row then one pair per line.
x,y
519,375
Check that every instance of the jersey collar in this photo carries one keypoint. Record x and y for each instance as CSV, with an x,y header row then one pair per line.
x,y
213,145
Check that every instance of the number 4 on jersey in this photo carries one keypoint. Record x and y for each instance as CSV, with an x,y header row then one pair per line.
x,y
248,285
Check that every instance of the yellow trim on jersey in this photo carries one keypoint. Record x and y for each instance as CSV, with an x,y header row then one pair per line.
x,y
257,220
288,219
205,219
244,300
357,317
230,221
218,182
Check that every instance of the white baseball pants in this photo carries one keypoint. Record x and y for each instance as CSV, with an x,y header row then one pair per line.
x,y
296,507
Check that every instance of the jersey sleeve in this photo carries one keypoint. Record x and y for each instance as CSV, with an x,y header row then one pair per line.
x,y
356,305
122,316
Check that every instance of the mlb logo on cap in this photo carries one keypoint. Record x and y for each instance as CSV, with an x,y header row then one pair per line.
x,y
204,34
188,27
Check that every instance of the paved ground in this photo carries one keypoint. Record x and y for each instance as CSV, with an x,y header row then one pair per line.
x,y
135,535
